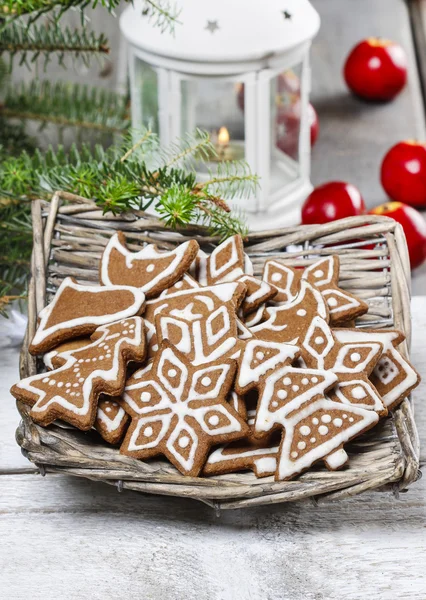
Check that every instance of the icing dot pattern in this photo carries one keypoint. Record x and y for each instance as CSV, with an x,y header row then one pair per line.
x,y
64,393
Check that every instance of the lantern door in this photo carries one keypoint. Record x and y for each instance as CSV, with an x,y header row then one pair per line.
x,y
283,132
225,108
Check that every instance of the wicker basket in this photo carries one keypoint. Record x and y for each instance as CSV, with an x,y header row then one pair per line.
x,y
69,238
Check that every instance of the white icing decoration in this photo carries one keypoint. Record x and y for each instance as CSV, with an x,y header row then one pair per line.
x,y
185,400
326,418
278,317
248,375
323,430
44,332
358,393
147,253
390,394
337,422
107,373
184,441
281,274
305,430
325,267
336,459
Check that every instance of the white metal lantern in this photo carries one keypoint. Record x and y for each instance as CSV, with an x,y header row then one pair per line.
x,y
239,69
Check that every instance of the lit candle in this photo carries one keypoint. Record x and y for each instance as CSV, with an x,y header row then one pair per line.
x,y
222,142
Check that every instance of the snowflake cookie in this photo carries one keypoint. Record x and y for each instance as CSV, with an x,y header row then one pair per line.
x,y
393,376
180,410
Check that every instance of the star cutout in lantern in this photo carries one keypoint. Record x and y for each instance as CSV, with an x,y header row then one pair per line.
x,y
212,26
287,15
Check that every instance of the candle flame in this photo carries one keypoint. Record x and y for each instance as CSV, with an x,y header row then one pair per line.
x,y
223,136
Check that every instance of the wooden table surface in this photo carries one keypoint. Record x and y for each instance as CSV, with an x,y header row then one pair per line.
x,y
63,537
72,538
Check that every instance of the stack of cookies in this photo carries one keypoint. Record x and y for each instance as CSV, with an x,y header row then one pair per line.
x,y
189,356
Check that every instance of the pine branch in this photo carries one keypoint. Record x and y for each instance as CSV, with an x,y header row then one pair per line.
x,y
118,180
33,41
67,105
162,13
14,138
193,146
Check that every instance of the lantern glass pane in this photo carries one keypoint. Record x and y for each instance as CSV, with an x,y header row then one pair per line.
x,y
215,105
286,112
146,95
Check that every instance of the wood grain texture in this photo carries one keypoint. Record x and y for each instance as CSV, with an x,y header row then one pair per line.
x,y
84,539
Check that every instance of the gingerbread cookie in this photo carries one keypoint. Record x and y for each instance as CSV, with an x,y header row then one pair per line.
x,y
111,420
324,275
256,317
71,392
290,322
351,362
258,360
150,270
53,359
77,310
204,338
393,376
191,305
243,456
180,410
314,427
226,263
185,283
258,293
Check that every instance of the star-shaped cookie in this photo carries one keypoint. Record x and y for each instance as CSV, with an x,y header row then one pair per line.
x,y
180,410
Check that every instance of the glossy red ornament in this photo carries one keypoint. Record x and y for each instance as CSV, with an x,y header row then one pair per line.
x,y
414,227
403,173
376,69
332,201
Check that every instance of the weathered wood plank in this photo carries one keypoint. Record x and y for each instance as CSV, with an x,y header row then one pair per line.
x,y
11,459
84,539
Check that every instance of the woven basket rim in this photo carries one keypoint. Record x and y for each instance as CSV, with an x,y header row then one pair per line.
x,y
393,458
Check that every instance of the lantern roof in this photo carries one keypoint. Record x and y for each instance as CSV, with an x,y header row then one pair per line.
x,y
221,31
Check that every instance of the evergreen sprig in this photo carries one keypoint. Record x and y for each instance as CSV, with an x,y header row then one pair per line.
x,y
130,176
67,104
119,180
31,42
162,13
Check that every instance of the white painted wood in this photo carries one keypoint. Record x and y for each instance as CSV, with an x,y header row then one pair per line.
x,y
11,458
72,538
